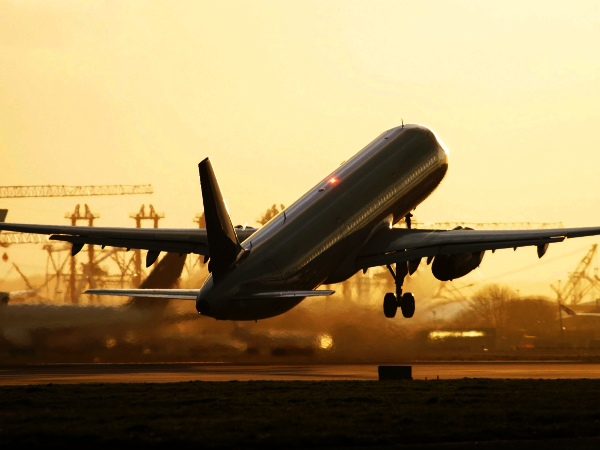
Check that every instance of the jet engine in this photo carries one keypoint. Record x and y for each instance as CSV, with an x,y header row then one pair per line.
x,y
450,267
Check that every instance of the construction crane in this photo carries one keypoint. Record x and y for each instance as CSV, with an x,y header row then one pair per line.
x,y
73,191
88,217
580,282
11,238
139,217
449,292
193,261
65,273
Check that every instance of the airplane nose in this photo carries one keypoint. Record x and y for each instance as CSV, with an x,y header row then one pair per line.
x,y
433,142
442,148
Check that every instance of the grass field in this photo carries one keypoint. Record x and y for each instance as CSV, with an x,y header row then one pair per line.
x,y
277,414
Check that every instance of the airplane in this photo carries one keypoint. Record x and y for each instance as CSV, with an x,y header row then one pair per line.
x,y
342,225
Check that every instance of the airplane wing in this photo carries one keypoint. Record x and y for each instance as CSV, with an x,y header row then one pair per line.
x,y
156,240
176,294
192,294
397,245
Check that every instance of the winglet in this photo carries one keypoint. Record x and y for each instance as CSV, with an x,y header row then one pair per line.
x,y
223,243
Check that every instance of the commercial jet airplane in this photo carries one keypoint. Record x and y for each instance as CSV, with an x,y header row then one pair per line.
x,y
340,226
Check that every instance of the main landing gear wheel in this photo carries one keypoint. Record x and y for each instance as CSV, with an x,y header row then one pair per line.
x,y
390,306
407,305
405,302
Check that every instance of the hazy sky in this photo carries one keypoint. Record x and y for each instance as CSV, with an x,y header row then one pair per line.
x,y
278,93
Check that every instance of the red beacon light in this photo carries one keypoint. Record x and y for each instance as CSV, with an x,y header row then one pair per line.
x,y
332,180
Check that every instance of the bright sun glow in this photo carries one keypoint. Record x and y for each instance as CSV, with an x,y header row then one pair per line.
x,y
325,341
333,180
454,334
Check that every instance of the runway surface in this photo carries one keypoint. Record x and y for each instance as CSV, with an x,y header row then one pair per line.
x,y
161,373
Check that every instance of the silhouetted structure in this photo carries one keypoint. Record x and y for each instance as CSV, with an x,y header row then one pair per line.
x,y
580,283
73,191
139,217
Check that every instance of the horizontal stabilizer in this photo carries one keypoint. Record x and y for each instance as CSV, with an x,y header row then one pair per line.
x,y
176,294
290,294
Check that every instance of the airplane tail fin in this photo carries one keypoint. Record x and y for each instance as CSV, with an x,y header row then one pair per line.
x,y
3,213
223,243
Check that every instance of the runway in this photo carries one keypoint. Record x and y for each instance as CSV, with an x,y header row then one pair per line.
x,y
163,373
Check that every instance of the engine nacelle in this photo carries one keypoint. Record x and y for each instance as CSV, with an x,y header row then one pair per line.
x,y
450,267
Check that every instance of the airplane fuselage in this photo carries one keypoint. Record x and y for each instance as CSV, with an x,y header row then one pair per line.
x,y
316,239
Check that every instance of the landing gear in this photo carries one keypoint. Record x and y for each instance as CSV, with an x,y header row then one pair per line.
x,y
407,305
405,301
390,306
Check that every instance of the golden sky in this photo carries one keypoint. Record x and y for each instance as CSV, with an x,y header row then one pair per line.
x,y
278,93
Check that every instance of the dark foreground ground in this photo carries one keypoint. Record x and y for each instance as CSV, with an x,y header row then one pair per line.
x,y
305,414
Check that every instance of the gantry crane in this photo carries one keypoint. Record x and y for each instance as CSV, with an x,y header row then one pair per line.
x,y
139,217
44,191
581,282
73,191
192,261
90,274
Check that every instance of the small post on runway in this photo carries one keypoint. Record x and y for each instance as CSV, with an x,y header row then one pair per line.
x,y
395,373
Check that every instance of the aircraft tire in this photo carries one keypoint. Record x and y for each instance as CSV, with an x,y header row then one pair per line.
x,y
389,305
408,305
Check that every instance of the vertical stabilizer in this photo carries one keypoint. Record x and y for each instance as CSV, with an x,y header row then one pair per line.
x,y
3,213
223,243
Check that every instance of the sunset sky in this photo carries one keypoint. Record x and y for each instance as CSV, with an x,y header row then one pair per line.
x,y
279,93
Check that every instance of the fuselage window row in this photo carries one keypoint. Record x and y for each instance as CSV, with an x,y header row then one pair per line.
x,y
362,217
